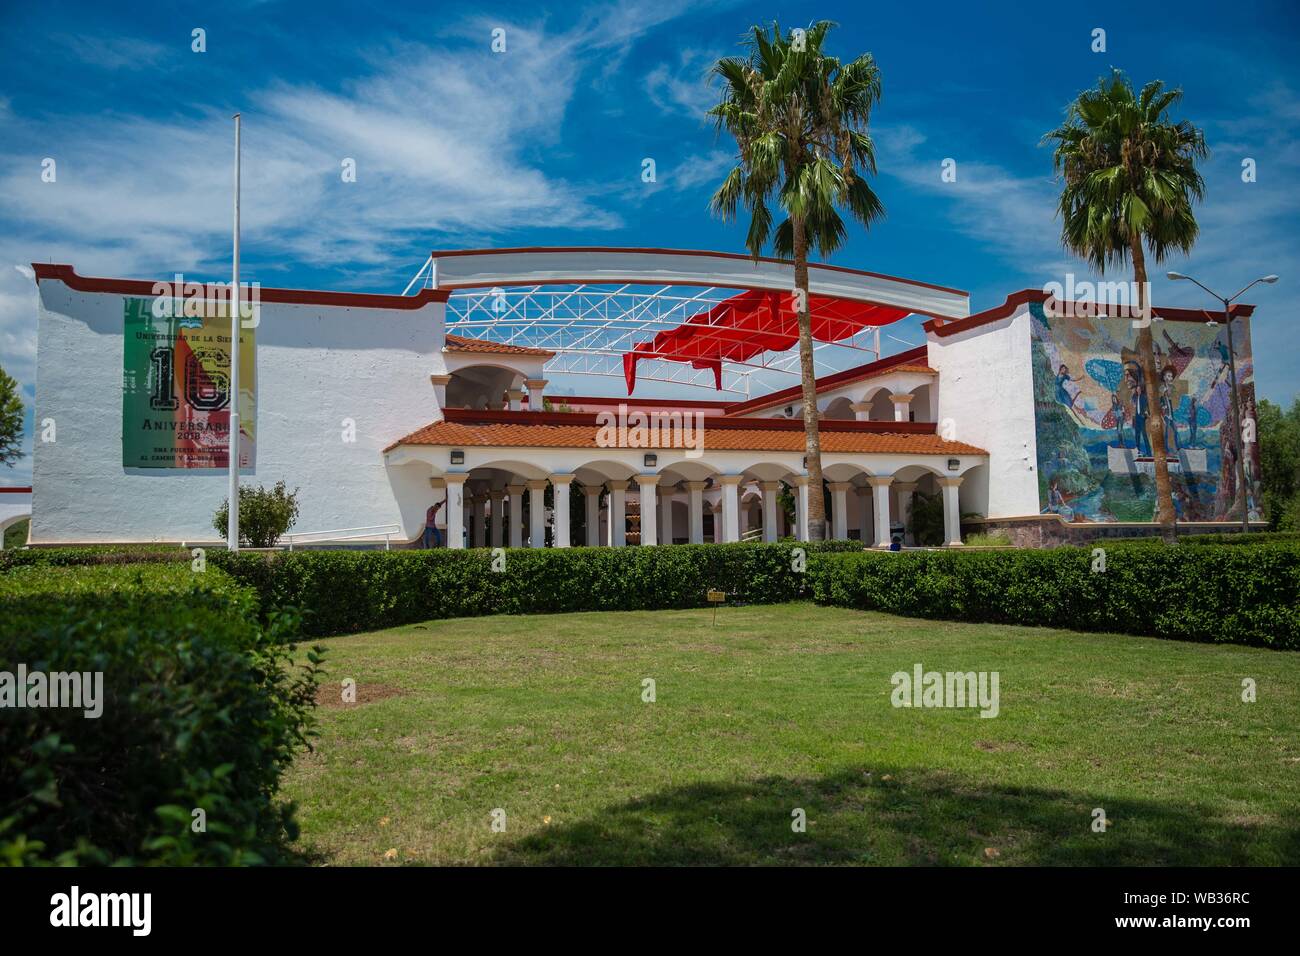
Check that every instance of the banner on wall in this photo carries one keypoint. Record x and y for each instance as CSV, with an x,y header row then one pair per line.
x,y
176,387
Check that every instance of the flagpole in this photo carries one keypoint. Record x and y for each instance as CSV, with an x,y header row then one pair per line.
x,y
232,526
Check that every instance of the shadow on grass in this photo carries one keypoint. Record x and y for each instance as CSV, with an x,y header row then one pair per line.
x,y
913,818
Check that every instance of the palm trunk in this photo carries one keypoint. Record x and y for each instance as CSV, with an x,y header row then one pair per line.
x,y
1155,415
812,434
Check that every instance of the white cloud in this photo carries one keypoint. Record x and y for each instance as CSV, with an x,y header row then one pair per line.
x,y
684,87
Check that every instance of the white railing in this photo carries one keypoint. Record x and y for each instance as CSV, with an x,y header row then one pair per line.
x,y
343,534
753,534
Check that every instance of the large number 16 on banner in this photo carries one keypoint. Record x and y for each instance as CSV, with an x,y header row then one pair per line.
x,y
176,387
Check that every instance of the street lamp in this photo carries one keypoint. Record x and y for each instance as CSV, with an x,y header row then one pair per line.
x,y
1232,371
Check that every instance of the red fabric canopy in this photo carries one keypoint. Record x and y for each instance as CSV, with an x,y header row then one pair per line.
x,y
751,323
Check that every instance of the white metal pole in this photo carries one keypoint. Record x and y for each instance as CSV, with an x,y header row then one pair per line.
x,y
232,526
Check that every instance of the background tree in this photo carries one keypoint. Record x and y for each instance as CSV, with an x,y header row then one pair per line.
x,y
11,420
1129,182
1279,453
799,118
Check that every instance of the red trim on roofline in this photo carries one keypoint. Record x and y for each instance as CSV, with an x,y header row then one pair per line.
x,y
361,300
833,380
506,416
632,402
946,327
437,254
16,491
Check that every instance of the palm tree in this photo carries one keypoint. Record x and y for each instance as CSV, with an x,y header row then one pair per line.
x,y
1129,182
799,118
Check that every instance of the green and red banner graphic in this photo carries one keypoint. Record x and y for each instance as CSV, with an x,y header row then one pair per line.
x,y
176,387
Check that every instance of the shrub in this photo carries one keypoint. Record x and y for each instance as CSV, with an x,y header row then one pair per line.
x,y
347,591
201,709
1207,593
995,539
264,515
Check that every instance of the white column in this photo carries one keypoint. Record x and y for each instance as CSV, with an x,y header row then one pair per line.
x,y
537,513
905,490
456,510
695,501
731,507
516,493
592,494
840,509
497,517
771,491
880,492
439,383
560,511
666,514
516,396
800,483
951,512
861,411
535,387
864,514
649,492
617,513
902,405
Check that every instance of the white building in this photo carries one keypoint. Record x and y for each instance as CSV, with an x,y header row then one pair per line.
x,y
374,411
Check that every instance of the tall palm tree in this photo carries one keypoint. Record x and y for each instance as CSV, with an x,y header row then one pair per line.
x,y
799,118
1129,182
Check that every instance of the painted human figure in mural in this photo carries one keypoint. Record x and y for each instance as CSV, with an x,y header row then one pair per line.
x,y
1056,503
1192,423
1115,418
1225,360
1167,376
1138,387
1062,393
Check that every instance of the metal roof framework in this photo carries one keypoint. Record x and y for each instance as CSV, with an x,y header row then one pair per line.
x,y
591,324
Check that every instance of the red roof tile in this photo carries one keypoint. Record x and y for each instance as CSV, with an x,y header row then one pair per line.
x,y
461,343
553,432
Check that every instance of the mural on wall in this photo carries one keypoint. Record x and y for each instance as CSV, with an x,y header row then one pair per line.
x,y
176,388
1095,462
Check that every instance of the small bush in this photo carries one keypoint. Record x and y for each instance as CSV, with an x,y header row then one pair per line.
x,y
995,539
264,515
202,709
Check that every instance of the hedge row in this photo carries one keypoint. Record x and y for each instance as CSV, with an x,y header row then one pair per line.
x,y
1225,594
201,709
349,591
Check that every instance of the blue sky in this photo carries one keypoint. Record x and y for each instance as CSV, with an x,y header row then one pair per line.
x,y
459,147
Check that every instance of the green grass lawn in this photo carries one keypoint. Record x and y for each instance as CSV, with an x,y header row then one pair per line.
x,y
786,707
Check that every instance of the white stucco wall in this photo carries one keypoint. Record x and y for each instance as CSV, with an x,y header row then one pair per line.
x,y
316,366
986,389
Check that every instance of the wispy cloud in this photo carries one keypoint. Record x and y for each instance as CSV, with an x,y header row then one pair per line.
x,y
111,53
683,87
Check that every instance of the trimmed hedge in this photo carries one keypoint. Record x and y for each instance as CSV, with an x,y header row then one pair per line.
x,y
349,591
1226,594
202,708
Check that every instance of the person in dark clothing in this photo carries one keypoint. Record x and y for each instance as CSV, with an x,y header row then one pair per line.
x,y
431,533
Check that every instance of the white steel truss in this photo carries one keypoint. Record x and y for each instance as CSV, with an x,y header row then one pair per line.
x,y
590,328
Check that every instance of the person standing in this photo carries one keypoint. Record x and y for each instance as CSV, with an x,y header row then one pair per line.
x,y
431,533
